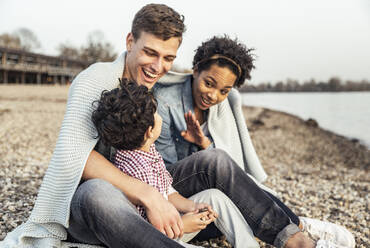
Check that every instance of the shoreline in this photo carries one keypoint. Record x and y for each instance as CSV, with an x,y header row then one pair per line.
x,y
316,172
345,114
251,115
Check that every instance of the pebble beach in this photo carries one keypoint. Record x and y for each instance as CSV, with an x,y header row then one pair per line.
x,y
317,173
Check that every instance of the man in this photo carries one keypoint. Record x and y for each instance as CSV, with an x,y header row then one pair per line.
x,y
95,211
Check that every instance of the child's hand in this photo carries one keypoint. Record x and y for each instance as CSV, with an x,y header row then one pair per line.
x,y
194,222
202,207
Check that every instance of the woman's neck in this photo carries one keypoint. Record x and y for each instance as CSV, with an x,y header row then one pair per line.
x,y
199,114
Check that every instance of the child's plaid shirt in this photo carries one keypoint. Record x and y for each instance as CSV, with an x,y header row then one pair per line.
x,y
148,167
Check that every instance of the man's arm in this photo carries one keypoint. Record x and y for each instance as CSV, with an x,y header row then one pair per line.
x,y
162,214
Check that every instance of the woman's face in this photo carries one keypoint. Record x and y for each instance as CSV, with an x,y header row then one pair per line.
x,y
212,86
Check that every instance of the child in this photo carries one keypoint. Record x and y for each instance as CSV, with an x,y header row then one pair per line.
x,y
126,118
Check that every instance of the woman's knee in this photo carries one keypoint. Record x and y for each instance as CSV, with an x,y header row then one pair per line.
x,y
216,158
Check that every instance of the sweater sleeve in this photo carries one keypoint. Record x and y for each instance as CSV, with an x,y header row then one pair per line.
x,y
75,142
252,163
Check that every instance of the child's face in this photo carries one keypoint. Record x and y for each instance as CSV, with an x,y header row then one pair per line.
x,y
157,125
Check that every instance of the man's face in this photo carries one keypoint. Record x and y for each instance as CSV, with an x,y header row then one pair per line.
x,y
149,58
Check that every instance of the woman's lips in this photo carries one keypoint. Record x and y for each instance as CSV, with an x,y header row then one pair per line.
x,y
205,102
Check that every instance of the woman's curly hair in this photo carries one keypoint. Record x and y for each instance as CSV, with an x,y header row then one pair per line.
x,y
229,48
123,115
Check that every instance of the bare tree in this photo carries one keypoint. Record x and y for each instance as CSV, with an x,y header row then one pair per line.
x,y
10,41
69,51
97,48
28,39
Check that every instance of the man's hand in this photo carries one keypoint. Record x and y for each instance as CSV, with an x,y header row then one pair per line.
x,y
194,133
163,215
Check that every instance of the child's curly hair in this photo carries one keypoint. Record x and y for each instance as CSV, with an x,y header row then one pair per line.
x,y
123,115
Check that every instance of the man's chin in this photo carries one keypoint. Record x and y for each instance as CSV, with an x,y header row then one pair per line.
x,y
149,85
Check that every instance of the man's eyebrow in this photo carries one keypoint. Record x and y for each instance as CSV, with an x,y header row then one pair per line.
x,y
172,56
152,50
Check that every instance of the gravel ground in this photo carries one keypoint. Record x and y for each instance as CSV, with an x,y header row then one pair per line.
x,y
317,173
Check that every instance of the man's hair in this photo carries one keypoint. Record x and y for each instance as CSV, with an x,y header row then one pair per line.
x,y
123,115
159,20
224,51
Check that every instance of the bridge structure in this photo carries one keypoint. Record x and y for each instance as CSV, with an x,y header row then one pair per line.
x,y
22,67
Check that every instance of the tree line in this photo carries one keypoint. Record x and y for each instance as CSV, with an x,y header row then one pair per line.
x,y
334,84
95,49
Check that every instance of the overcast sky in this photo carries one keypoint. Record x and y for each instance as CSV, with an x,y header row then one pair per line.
x,y
298,39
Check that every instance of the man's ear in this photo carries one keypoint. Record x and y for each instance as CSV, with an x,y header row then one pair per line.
x,y
195,72
129,41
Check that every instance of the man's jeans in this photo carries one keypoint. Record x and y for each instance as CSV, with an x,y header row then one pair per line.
x,y
92,218
213,168
101,214
111,219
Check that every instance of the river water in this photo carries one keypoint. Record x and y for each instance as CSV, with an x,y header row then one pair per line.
x,y
345,113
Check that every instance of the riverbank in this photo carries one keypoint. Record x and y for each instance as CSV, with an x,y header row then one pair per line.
x,y
317,173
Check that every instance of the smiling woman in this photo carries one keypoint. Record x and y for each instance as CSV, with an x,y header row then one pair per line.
x,y
202,111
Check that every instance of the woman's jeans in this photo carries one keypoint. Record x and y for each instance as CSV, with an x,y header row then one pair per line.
x,y
111,219
213,168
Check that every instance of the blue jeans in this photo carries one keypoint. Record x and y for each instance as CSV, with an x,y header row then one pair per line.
x,y
213,168
102,215
99,217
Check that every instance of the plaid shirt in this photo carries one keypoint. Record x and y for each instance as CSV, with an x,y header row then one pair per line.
x,y
147,167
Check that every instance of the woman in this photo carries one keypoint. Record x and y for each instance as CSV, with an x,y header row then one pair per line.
x,y
203,111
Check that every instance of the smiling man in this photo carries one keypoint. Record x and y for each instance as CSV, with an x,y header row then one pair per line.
x,y
95,211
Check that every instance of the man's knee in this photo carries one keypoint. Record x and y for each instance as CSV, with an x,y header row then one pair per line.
x,y
98,193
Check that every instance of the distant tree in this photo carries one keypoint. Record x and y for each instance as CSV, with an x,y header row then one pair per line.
x,y
28,39
10,41
69,51
309,86
279,87
97,49
334,84
291,85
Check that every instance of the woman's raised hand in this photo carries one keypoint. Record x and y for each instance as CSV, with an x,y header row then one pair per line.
x,y
194,133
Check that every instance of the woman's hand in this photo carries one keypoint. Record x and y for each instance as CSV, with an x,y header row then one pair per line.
x,y
194,133
194,222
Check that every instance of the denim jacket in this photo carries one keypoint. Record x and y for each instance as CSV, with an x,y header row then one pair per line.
x,y
174,100
226,124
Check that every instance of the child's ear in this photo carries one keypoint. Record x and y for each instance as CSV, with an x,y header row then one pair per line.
x,y
149,133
